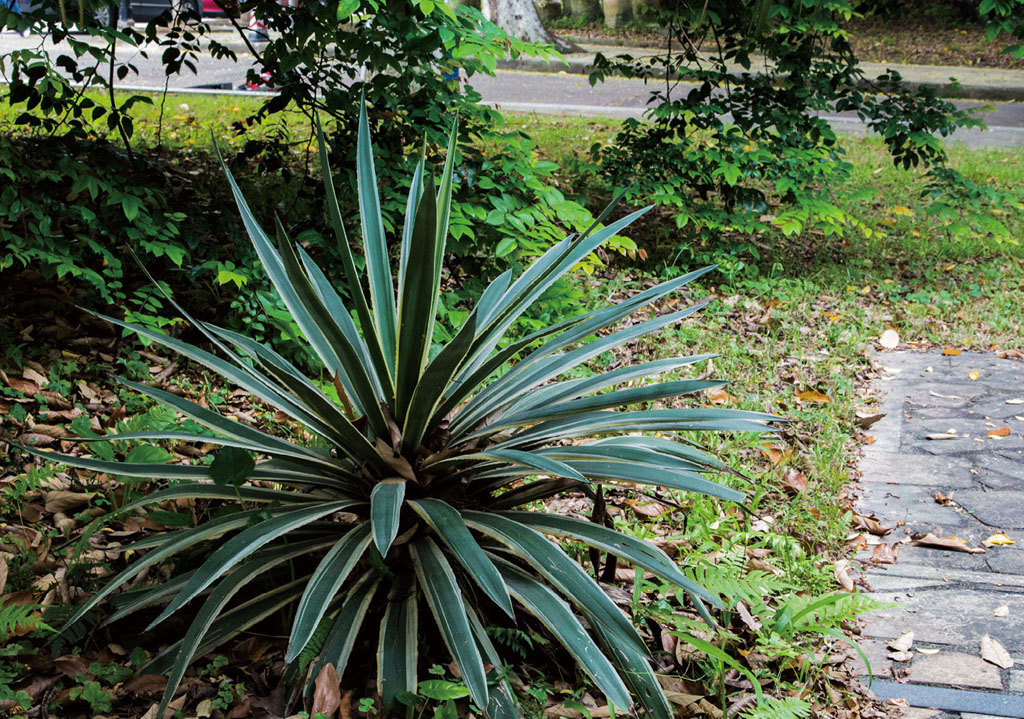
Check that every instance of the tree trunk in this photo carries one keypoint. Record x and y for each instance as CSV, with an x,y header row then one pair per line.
x,y
519,18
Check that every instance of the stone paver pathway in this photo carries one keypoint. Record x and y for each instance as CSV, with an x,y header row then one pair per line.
x,y
949,599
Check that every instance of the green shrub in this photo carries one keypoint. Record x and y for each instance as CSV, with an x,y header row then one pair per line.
x,y
413,500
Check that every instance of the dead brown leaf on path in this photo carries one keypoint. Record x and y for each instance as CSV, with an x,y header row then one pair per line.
x,y
865,421
871,525
946,500
327,691
900,648
951,352
1003,610
993,652
885,554
999,432
952,543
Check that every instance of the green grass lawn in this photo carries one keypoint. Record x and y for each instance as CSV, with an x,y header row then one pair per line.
x,y
793,321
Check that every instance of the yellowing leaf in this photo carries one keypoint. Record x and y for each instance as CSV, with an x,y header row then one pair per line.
x,y
902,211
951,352
999,539
972,376
813,397
1000,432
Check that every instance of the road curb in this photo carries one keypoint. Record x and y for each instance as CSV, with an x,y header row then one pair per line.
x,y
1004,92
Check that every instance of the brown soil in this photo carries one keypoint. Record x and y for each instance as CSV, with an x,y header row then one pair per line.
x,y
915,38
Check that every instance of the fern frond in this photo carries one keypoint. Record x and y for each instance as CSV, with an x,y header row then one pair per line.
x,y
772,708
18,619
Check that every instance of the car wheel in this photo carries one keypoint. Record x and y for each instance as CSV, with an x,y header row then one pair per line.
x,y
192,7
105,16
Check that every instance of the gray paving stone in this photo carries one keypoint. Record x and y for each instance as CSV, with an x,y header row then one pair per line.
x,y
924,469
877,653
941,394
940,576
940,558
956,617
999,472
998,509
972,435
882,582
997,410
1006,561
921,713
955,669
1016,680
907,503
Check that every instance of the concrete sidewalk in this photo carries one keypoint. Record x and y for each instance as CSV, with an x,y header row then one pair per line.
x,y
974,83
947,460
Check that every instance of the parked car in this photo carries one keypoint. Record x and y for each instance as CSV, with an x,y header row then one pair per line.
x,y
141,11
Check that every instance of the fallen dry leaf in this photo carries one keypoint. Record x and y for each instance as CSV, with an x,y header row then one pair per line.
x,y
953,543
718,395
999,432
24,386
647,509
842,574
1003,610
941,435
33,376
776,455
864,420
1015,400
992,651
3,573
951,352
327,694
885,554
901,656
903,643
927,650
946,500
889,339
973,376
998,539
62,501
752,622
871,525
794,482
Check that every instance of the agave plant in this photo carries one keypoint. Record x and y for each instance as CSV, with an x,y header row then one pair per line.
x,y
413,503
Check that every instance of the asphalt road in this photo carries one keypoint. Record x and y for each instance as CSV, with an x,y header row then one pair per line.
x,y
546,93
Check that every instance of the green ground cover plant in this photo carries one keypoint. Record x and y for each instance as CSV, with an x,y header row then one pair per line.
x,y
807,305
436,455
